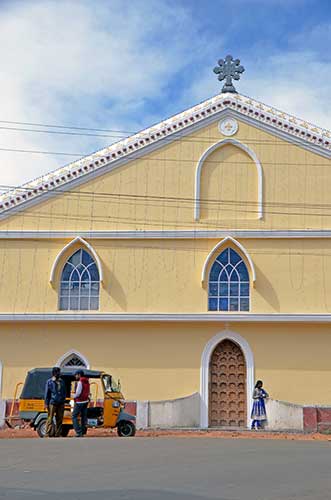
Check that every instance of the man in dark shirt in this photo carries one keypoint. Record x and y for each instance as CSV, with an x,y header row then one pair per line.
x,y
55,396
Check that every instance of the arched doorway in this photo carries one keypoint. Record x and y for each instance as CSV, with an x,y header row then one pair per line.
x,y
227,386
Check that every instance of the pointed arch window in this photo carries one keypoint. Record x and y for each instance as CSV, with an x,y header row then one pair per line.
x,y
73,360
80,283
228,283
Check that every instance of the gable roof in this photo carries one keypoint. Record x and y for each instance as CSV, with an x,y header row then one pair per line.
x,y
256,113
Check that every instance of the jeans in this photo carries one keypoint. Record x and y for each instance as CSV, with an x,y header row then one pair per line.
x,y
56,411
80,410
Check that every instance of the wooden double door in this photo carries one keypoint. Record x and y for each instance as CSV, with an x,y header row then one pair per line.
x,y
227,386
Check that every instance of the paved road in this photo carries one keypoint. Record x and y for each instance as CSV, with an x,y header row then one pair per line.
x,y
164,469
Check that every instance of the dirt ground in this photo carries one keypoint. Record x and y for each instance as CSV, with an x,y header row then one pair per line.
x,y
7,433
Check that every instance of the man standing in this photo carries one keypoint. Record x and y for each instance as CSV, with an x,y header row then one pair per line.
x,y
81,398
55,396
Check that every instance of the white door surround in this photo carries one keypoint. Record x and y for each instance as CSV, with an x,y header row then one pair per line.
x,y
204,372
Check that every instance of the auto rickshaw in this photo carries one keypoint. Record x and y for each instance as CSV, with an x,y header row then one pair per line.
x,y
110,415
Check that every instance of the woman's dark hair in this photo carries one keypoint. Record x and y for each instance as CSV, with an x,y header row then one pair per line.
x,y
258,382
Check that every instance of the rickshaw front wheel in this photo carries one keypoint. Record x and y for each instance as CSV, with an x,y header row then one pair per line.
x,y
125,428
41,428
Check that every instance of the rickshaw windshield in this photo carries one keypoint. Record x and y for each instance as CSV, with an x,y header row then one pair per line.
x,y
109,384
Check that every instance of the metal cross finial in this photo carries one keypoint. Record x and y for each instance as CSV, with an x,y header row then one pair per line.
x,y
229,69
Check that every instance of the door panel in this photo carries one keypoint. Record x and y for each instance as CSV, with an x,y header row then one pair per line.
x,y
227,386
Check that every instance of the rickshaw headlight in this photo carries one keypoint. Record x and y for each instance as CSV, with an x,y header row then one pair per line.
x,y
116,404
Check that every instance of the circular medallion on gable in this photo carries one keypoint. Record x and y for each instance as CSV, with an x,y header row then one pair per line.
x,y
228,126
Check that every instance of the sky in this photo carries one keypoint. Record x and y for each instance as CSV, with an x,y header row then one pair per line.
x,y
122,65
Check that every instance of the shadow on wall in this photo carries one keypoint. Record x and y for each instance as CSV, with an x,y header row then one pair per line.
x,y
269,294
114,288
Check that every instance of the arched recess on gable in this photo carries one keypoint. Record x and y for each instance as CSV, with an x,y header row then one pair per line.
x,y
73,358
74,244
232,243
203,159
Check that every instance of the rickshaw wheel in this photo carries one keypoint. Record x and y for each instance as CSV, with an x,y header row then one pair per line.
x,y
125,428
41,428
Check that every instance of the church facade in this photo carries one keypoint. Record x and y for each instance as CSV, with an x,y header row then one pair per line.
x,y
189,260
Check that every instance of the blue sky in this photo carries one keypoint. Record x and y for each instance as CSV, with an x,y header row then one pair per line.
x,y
125,64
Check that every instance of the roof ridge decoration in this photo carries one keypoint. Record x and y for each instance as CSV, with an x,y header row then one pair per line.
x,y
228,69
290,127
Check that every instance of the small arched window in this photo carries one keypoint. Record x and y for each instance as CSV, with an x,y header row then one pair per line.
x,y
73,360
228,283
80,283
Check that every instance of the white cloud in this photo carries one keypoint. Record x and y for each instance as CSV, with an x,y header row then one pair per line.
x,y
103,64
87,63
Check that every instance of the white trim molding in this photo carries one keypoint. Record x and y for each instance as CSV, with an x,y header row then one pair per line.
x,y
173,234
214,317
81,242
204,157
204,372
73,352
228,240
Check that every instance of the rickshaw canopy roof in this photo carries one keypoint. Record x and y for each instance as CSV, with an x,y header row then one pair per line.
x,y
35,382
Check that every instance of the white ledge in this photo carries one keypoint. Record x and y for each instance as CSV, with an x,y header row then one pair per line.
x,y
170,234
172,317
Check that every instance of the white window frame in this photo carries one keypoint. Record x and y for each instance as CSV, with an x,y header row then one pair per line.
x,y
61,361
76,242
80,283
219,296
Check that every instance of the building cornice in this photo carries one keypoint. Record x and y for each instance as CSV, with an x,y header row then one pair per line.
x,y
288,127
169,317
169,234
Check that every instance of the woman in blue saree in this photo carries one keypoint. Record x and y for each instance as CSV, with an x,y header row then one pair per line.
x,y
259,413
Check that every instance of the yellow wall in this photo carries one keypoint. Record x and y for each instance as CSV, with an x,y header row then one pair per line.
x,y
296,189
165,275
161,361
